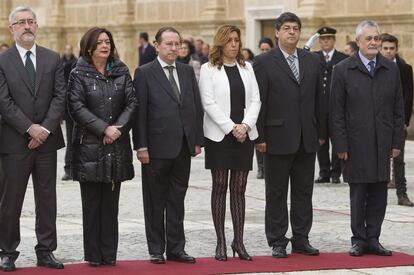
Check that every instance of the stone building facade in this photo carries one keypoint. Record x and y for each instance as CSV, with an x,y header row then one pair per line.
x,y
64,21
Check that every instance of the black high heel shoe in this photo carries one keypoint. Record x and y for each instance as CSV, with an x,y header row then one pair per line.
x,y
219,256
242,253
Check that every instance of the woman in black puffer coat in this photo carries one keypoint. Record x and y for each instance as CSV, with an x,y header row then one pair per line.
x,y
101,102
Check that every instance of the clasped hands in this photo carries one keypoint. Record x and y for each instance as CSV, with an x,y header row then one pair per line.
x,y
112,133
38,136
240,132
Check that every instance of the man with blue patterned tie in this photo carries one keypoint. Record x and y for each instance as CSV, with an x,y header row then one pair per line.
x,y
289,133
367,116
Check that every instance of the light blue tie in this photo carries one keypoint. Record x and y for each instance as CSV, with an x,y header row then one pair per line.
x,y
291,59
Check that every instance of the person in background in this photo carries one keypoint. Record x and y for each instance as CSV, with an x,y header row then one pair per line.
x,y
101,102
205,49
350,48
186,56
3,47
248,55
265,44
329,164
231,102
367,129
146,51
199,51
68,61
32,103
389,49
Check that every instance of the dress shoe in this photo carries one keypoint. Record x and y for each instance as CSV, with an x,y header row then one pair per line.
x,y
380,251
221,254
322,180
243,255
391,185
305,249
47,259
335,180
404,200
112,263
357,250
94,264
157,259
7,263
279,252
67,177
181,257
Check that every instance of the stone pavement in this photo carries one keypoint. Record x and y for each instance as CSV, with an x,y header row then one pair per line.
x,y
330,232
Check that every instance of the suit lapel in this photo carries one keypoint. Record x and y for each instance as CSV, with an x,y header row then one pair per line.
x,y
17,62
181,77
159,74
282,63
40,66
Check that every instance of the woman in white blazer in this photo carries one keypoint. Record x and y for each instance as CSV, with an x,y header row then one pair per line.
x,y
231,101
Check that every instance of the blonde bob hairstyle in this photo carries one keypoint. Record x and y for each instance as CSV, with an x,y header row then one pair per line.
x,y
221,38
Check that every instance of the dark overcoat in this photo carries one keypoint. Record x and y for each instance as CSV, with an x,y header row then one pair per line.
x,y
367,117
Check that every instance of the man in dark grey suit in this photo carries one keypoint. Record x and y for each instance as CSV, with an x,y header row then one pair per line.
x,y
288,80
32,102
168,131
367,116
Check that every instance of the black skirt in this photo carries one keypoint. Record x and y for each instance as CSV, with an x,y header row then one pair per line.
x,y
229,154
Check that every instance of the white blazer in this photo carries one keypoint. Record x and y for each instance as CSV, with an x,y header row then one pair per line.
x,y
215,96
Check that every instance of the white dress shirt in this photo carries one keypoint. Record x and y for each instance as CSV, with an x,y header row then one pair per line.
x,y
330,54
167,73
22,52
296,60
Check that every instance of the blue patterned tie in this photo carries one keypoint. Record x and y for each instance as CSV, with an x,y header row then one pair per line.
x,y
291,59
371,66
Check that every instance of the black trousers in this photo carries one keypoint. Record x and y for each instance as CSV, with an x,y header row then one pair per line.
x,y
399,172
68,153
17,169
100,220
368,204
299,168
329,166
164,185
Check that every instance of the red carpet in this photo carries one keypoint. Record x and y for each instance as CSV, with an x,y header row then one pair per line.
x,y
295,262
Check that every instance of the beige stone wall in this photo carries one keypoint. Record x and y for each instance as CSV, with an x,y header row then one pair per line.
x,y
64,21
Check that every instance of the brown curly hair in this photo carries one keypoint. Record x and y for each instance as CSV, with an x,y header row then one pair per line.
x,y
221,38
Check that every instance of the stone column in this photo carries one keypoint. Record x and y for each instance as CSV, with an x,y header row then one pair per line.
x,y
5,7
125,35
53,34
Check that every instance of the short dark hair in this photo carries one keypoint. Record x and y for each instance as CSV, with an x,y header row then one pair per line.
x,y
251,54
386,37
266,40
4,45
287,17
191,48
353,45
143,35
165,29
89,41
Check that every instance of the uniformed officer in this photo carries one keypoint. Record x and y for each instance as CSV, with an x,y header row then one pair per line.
x,y
329,168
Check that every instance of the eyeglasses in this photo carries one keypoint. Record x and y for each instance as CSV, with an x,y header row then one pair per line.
x,y
23,22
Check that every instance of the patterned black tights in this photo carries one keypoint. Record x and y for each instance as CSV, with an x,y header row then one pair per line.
x,y
238,181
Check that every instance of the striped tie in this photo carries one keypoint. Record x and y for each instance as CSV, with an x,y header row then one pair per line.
x,y
291,59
